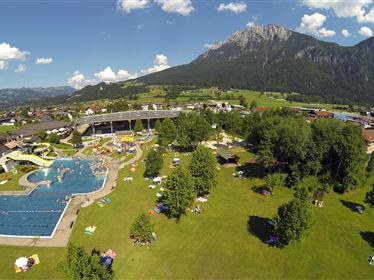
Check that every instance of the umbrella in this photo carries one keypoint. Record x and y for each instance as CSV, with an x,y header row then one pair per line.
x,y
157,180
21,262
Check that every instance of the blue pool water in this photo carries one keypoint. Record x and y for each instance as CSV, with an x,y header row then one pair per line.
x,y
38,213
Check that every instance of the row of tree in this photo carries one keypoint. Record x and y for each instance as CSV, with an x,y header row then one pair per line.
x,y
329,150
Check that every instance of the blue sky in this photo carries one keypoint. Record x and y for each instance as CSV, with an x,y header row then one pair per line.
x,y
82,42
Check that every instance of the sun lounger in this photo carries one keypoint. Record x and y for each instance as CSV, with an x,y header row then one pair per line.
x,y
152,186
202,199
159,194
3,182
90,230
162,189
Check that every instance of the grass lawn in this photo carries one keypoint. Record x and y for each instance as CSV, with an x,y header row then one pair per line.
x,y
7,128
12,184
216,243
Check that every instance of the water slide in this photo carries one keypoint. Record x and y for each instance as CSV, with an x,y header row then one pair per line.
x,y
18,156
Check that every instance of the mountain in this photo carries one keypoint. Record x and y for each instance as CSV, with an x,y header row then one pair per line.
x,y
97,92
274,58
19,96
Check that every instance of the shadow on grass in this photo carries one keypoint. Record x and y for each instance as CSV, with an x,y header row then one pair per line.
x,y
368,236
257,226
252,169
260,189
351,205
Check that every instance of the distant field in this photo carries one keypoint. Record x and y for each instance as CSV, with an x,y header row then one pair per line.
x,y
273,99
7,128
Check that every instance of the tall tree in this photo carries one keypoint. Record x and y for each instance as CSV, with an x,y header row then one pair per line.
x,y
42,134
158,126
370,167
154,163
138,126
253,105
142,228
80,265
294,220
179,192
167,132
369,198
76,138
53,138
203,169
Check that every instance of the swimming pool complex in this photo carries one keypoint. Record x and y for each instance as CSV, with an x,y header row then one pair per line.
x,y
39,213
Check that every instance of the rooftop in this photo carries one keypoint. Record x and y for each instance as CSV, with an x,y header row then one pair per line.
x,y
128,115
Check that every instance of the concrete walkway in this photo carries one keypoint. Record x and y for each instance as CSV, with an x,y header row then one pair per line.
x,y
65,228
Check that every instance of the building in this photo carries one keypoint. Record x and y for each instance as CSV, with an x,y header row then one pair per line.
x,y
227,157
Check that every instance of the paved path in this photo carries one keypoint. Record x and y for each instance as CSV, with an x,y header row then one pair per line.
x,y
62,234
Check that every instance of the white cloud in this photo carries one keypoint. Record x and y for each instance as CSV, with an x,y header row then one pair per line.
x,y
3,65
21,68
129,5
42,60
346,33
161,63
250,24
235,7
78,80
7,52
343,8
365,31
313,24
182,7
108,76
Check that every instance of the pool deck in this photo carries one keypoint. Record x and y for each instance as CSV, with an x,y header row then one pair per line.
x,y
66,226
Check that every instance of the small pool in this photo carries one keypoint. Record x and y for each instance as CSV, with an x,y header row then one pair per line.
x,y
39,213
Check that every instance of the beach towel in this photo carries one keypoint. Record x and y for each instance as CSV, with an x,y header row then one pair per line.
x,y
35,257
107,199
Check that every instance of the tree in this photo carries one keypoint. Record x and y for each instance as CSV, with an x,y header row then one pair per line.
x,y
370,167
78,264
158,126
179,192
76,138
243,101
253,105
138,126
53,138
137,106
154,164
203,169
369,198
295,219
274,180
150,106
217,135
24,113
42,134
142,228
167,132
192,129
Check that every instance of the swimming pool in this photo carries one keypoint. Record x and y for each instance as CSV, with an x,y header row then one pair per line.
x,y
38,213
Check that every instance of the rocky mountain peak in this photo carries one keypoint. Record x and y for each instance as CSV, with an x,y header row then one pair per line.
x,y
250,38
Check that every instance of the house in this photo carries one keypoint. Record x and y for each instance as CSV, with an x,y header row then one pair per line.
x,y
227,157
321,114
368,135
89,111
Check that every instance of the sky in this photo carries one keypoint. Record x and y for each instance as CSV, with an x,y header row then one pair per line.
x,y
80,42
